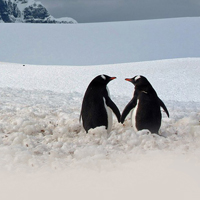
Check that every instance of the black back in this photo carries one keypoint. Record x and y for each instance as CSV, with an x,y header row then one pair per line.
x,y
93,111
148,114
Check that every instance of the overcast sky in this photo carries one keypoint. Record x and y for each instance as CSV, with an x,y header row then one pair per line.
x,y
85,11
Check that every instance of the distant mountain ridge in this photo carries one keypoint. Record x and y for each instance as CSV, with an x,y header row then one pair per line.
x,y
28,11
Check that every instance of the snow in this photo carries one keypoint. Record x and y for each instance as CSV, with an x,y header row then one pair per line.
x,y
170,74
41,134
45,153
63,19
100,43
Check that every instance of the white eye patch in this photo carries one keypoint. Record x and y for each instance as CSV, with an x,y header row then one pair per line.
x,y
103,77
137,77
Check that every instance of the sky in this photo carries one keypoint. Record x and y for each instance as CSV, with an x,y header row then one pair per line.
x,y
87,11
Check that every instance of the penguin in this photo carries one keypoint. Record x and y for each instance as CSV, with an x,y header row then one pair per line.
x,y
97,106
145,106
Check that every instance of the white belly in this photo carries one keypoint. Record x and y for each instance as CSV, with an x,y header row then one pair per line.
x,y
133,116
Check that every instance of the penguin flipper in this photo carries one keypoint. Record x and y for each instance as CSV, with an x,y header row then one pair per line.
x,y
164,107
128,108
113,107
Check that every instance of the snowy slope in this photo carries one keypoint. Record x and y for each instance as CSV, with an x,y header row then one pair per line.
x,y
165,75
40,134
45,153
101,43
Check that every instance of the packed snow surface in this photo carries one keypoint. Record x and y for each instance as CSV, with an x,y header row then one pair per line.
x,y
100,43
45,153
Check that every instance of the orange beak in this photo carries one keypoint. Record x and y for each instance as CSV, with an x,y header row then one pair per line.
x,y
128,79
112,78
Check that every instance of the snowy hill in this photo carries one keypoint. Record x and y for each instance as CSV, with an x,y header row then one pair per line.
x,y
42,139
28,11
101,43
45,153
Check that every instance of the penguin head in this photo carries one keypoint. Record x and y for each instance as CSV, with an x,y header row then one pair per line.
x,y
102,80
140,83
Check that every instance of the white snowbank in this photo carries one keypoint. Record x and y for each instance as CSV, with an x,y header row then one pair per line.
x,y
173,79
100,43
45,153
156,177
41,130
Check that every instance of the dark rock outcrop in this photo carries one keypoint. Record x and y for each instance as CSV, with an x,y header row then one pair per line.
x,y
9,11
27,11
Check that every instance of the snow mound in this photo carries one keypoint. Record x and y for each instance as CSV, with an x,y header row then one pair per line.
x,y
46,153
41,129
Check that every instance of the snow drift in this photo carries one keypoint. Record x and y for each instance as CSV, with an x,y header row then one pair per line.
x,y
41,134
101,43
40,114
45,153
